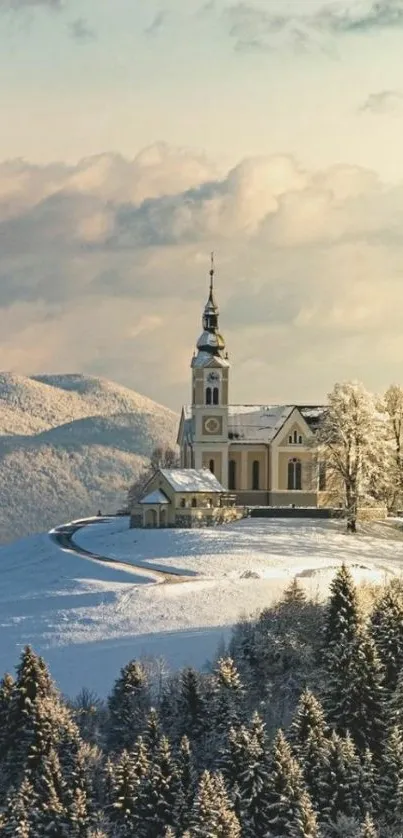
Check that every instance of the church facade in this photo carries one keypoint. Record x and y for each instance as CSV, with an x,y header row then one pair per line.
x,y
263,454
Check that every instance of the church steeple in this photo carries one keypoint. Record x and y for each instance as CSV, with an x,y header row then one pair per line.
x,y
211,341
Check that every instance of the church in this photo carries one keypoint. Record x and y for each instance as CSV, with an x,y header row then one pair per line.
x,y
263,454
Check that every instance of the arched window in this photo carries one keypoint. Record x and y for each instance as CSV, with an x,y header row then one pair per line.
x,y
232,475
216,395
208,395
290,440
211,466
295,437
194,502
294,475
322,476
255,474
300,439
183,503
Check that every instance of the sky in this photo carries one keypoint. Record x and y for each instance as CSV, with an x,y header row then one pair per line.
x,y
137,137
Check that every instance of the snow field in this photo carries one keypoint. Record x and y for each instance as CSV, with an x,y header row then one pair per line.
x,y
88,618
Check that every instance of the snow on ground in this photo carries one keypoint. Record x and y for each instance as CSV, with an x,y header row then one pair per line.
x,y
88,618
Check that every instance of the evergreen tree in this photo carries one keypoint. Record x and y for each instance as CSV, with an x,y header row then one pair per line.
x,y
294,596
212,816
309,718
314,759
192,709
16,819
342,616
129,705
50,817
7,690
342,780
354,692
158,794
288,804
122,788
391,779
153,732
368,829
387,632
369,785
253,782
228,697
186,786
395,705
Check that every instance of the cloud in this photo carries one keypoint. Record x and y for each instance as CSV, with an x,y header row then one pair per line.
x,y
254,27
81,31
21,5
105,266
157,24
384,101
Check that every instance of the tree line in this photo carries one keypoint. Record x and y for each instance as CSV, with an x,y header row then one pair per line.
x,y
294,731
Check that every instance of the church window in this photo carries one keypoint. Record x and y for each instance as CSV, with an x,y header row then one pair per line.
x,y
208,395
215,395
194,502
232,475
294,475
295,437
300,439
211,466
290,439
255,474
322,476
183,503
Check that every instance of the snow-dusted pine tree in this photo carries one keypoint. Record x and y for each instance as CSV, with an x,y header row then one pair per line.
x,y
355,698
212,814
122,794
309,718
368,828
342,780
129,705
342,615
157,794
16,822
391,780
187,784
228,697
348,440
288,804
192,709
386,627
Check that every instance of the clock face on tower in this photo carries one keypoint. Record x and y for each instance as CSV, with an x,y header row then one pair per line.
x,y
212,425
213,377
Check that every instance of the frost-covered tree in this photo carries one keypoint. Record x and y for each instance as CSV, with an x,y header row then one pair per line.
x,y
355,699
228,697
368,828
158,793
152,732
309,718
191,707
17,813
342,779
391,779
395,705
212,814
386,626
288,806
187,783
392,408
7,690
129,705
342,614
349,439
122,790
253,781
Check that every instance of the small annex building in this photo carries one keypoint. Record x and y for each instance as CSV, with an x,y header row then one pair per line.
x,y
183,498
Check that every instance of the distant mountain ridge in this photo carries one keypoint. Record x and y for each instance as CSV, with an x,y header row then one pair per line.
x,y
70,444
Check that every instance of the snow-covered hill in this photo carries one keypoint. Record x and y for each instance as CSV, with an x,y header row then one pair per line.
x,y
70,444
89,618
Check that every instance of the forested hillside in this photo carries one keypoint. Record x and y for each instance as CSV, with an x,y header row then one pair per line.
x,y
296,731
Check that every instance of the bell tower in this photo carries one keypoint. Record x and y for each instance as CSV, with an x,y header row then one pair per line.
x,y
210,382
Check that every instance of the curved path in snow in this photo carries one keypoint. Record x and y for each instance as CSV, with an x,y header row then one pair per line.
x,y
63,536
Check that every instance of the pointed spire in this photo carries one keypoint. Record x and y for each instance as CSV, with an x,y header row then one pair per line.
x,y
211,342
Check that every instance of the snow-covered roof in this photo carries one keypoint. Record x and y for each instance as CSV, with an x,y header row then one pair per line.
x,y
257,422
155,497
192,480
